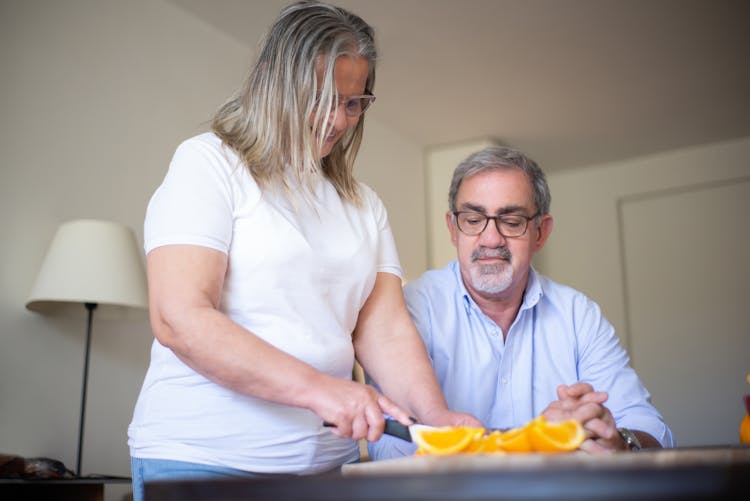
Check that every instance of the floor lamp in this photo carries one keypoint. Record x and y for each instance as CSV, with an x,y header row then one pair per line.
x,y
89,263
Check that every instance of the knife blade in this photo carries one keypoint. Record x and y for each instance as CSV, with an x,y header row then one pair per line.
x,y
398,430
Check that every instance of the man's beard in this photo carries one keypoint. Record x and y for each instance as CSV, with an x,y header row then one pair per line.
x,y
491,278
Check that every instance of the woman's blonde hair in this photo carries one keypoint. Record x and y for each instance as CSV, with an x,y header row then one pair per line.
x,y
267,120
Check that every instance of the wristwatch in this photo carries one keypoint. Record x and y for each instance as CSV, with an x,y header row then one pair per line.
x,y
630,439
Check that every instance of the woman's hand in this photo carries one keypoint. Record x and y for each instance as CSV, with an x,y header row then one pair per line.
x,y
356,411
352,409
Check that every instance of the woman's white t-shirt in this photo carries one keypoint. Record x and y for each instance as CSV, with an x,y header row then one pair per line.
x,y
296,278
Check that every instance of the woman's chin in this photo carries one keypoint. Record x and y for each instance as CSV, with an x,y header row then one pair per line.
x,y
327,147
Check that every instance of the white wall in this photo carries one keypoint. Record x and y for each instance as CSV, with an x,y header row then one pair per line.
x,y
95,96
584,249
393,167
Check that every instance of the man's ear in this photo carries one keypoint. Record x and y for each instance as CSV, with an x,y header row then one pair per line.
x,y
452,229
543,231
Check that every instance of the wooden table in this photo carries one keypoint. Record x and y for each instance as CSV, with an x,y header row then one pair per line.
x,y
693,473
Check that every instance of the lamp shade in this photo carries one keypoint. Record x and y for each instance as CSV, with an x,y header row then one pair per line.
x,y
90,261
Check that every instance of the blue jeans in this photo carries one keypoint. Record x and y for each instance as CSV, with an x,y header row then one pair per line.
x,y
152,470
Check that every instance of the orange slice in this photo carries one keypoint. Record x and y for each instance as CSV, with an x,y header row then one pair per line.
x,y
514,440
444,441
484,444
476,446
545,436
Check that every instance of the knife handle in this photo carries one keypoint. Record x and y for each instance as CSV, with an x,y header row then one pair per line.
x,y
396,429
392,428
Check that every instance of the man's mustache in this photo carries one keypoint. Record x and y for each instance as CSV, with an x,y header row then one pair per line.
x,y
484,252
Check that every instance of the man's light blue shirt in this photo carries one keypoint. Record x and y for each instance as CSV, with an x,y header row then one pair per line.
x,y
558,337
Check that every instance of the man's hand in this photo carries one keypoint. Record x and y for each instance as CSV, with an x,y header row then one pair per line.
x,y
445,417
579,401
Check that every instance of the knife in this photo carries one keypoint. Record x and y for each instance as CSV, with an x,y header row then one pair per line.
x,y
395,428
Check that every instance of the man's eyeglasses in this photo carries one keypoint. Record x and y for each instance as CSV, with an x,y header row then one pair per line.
x,y
508,225
354,106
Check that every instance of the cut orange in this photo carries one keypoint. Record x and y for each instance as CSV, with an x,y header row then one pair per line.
x,y
538,435
545,436
484,444
444,441
476,446
514,440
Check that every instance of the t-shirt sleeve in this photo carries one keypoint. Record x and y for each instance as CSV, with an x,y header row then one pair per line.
x,y
388,261
193,205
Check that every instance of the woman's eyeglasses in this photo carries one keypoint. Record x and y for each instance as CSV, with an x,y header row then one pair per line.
x,y
354,106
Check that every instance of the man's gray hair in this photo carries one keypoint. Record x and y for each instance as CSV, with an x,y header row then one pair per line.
x,y
502,157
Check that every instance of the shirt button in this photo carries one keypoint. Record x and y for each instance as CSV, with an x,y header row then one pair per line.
x,y
504,380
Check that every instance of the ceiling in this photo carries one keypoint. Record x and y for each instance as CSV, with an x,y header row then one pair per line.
x,y
570,82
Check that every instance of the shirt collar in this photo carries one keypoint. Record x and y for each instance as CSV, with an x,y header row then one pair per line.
x,y
461,289
534,290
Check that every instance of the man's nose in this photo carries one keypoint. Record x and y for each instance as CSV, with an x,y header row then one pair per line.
x,y
491,236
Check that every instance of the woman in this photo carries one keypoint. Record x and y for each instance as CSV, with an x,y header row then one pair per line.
x,y
270,268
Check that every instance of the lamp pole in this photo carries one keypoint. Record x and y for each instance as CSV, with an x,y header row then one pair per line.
x,y
90,307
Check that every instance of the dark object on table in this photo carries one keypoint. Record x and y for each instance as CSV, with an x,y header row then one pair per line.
x,y
32,468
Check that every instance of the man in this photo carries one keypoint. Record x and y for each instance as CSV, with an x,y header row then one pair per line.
x,y
507,343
